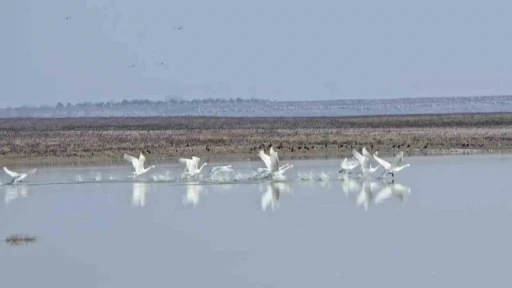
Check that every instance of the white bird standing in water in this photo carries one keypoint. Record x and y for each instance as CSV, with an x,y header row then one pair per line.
x,y
191,165
138,164
17,177
392,168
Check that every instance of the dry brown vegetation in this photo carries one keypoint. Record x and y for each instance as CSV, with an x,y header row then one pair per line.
x,y
171,137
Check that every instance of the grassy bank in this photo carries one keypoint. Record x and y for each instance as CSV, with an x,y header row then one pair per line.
x,y
72,139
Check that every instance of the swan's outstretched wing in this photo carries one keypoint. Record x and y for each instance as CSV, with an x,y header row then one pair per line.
x,y
265,158
274,161
11,173
358,156
195,162
382,163
366,154
349,164
142,159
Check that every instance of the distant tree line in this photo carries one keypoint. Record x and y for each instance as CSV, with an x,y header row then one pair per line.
x,y
146,102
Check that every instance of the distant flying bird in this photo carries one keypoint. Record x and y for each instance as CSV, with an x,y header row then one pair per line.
x,y
68,17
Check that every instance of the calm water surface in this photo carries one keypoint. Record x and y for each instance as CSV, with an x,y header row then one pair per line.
x,y
445,222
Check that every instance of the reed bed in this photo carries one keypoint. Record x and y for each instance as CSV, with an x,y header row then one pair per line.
x,y
171,137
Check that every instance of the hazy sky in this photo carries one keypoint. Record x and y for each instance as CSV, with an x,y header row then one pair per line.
x,y
288,49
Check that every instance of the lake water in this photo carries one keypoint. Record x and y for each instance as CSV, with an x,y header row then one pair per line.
x,y
444,222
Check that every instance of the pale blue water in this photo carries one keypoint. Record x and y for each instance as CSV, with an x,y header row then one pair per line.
x,y
452,230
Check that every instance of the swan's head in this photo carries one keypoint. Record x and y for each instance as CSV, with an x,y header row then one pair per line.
x,y
151,167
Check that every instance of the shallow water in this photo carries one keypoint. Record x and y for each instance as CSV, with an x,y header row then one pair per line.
x,y
96,228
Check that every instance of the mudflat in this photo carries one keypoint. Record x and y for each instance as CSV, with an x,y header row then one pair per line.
x,y
72,139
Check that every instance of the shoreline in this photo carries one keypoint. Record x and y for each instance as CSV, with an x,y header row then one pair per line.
x,y
104,140
99,162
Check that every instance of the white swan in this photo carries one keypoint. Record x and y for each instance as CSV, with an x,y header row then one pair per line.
x,y
17,177
365,161
272,164
191,165
219,169
267,160
392,168
348,165
138,164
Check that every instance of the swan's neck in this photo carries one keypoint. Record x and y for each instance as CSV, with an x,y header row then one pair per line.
x,y
200,168
149,168
282,169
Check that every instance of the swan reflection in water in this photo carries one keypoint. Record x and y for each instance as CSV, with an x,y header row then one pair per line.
x,y
373,191
139,194
194,193
273,194
12,192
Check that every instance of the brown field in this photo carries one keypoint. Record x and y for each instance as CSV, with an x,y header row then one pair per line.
x,y
72,139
